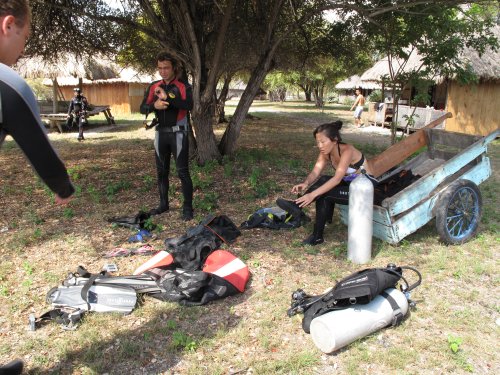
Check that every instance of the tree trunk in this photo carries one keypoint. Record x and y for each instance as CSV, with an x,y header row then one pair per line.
x,y
221,101
308,95
229,140
203,114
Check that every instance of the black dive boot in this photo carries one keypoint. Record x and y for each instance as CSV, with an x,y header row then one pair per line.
x,y
163,207
187,213
313,240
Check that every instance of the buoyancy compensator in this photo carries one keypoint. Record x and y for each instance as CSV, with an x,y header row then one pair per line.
x,y
359,288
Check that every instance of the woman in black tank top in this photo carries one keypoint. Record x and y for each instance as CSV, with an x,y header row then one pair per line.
x,y
327,190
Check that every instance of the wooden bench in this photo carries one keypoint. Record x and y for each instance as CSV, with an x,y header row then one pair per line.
x,y
56,120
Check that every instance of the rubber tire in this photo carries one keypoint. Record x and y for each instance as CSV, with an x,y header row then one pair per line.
x,y
459,192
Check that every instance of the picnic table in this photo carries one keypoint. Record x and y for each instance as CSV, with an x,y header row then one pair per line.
x,y
57,119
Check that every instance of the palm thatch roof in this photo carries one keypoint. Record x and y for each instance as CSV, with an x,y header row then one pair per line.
x,y
69,66
381,68
69,70
487,65
354,82
125,75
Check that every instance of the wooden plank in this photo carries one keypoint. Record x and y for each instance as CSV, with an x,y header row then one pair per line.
x,y
400,151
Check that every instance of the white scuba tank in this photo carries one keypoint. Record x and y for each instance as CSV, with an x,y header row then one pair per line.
x,y
339,328
360,223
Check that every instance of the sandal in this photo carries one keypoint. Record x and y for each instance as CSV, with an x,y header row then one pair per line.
x,y
118,252
147,249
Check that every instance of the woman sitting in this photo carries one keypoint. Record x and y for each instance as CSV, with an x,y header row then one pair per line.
x,y
327,190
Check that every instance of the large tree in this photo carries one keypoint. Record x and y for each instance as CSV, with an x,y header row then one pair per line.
x,y
201,34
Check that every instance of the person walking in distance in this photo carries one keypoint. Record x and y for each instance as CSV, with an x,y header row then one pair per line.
x,y
170,99
358,108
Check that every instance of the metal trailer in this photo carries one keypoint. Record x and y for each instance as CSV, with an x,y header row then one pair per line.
x,y
451,166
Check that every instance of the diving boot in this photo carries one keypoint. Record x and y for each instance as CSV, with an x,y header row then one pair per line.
x,y
313,240
289,206
158,210
187,213
163,191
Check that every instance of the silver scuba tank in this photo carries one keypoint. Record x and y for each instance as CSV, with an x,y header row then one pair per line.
x,y
360,223
339,328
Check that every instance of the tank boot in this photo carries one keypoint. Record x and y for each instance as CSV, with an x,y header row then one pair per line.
x,y
163,207
313,240
329,212
289,206
158,210
187,213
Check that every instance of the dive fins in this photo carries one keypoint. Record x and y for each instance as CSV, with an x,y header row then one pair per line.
x,y
139,283
99,298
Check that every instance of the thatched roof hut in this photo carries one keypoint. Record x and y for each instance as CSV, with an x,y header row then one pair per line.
x,y
382,67
355,81
68,66
474,105
103,81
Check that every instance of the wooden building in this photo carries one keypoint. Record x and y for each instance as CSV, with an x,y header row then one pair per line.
x,y
102,81
123,94
473,105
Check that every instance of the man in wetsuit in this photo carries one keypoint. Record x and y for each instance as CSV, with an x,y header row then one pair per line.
x,y
170,99
19,114
77,110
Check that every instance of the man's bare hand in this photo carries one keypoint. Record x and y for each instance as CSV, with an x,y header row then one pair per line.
x,y
160,104
160,93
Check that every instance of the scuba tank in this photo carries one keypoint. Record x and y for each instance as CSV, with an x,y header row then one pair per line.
x,y
339,328
360,223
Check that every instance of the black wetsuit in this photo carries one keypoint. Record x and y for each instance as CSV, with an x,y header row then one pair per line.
x,y
171,137
325,203
77,107
21,120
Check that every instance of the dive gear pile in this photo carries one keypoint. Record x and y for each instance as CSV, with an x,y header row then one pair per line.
x,y
193,273
274,218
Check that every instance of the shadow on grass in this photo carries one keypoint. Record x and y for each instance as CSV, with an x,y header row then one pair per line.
x,y
155,345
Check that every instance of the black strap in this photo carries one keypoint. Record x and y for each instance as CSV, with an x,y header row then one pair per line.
x,y
67,317
86,287
398,316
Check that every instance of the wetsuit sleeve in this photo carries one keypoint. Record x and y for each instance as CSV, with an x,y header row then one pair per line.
x,y
86,105
70,108
23,124
178,100
147,105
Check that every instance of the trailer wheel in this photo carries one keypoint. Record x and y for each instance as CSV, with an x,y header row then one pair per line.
x,y
459,212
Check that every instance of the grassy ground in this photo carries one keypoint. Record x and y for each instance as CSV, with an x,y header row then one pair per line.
x,y
453,330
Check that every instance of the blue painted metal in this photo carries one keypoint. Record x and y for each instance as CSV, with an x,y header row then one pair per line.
x,y
414,207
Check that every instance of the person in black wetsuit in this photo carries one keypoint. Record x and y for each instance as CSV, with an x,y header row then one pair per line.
x,y
19,116
327,190
77,110
170,98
